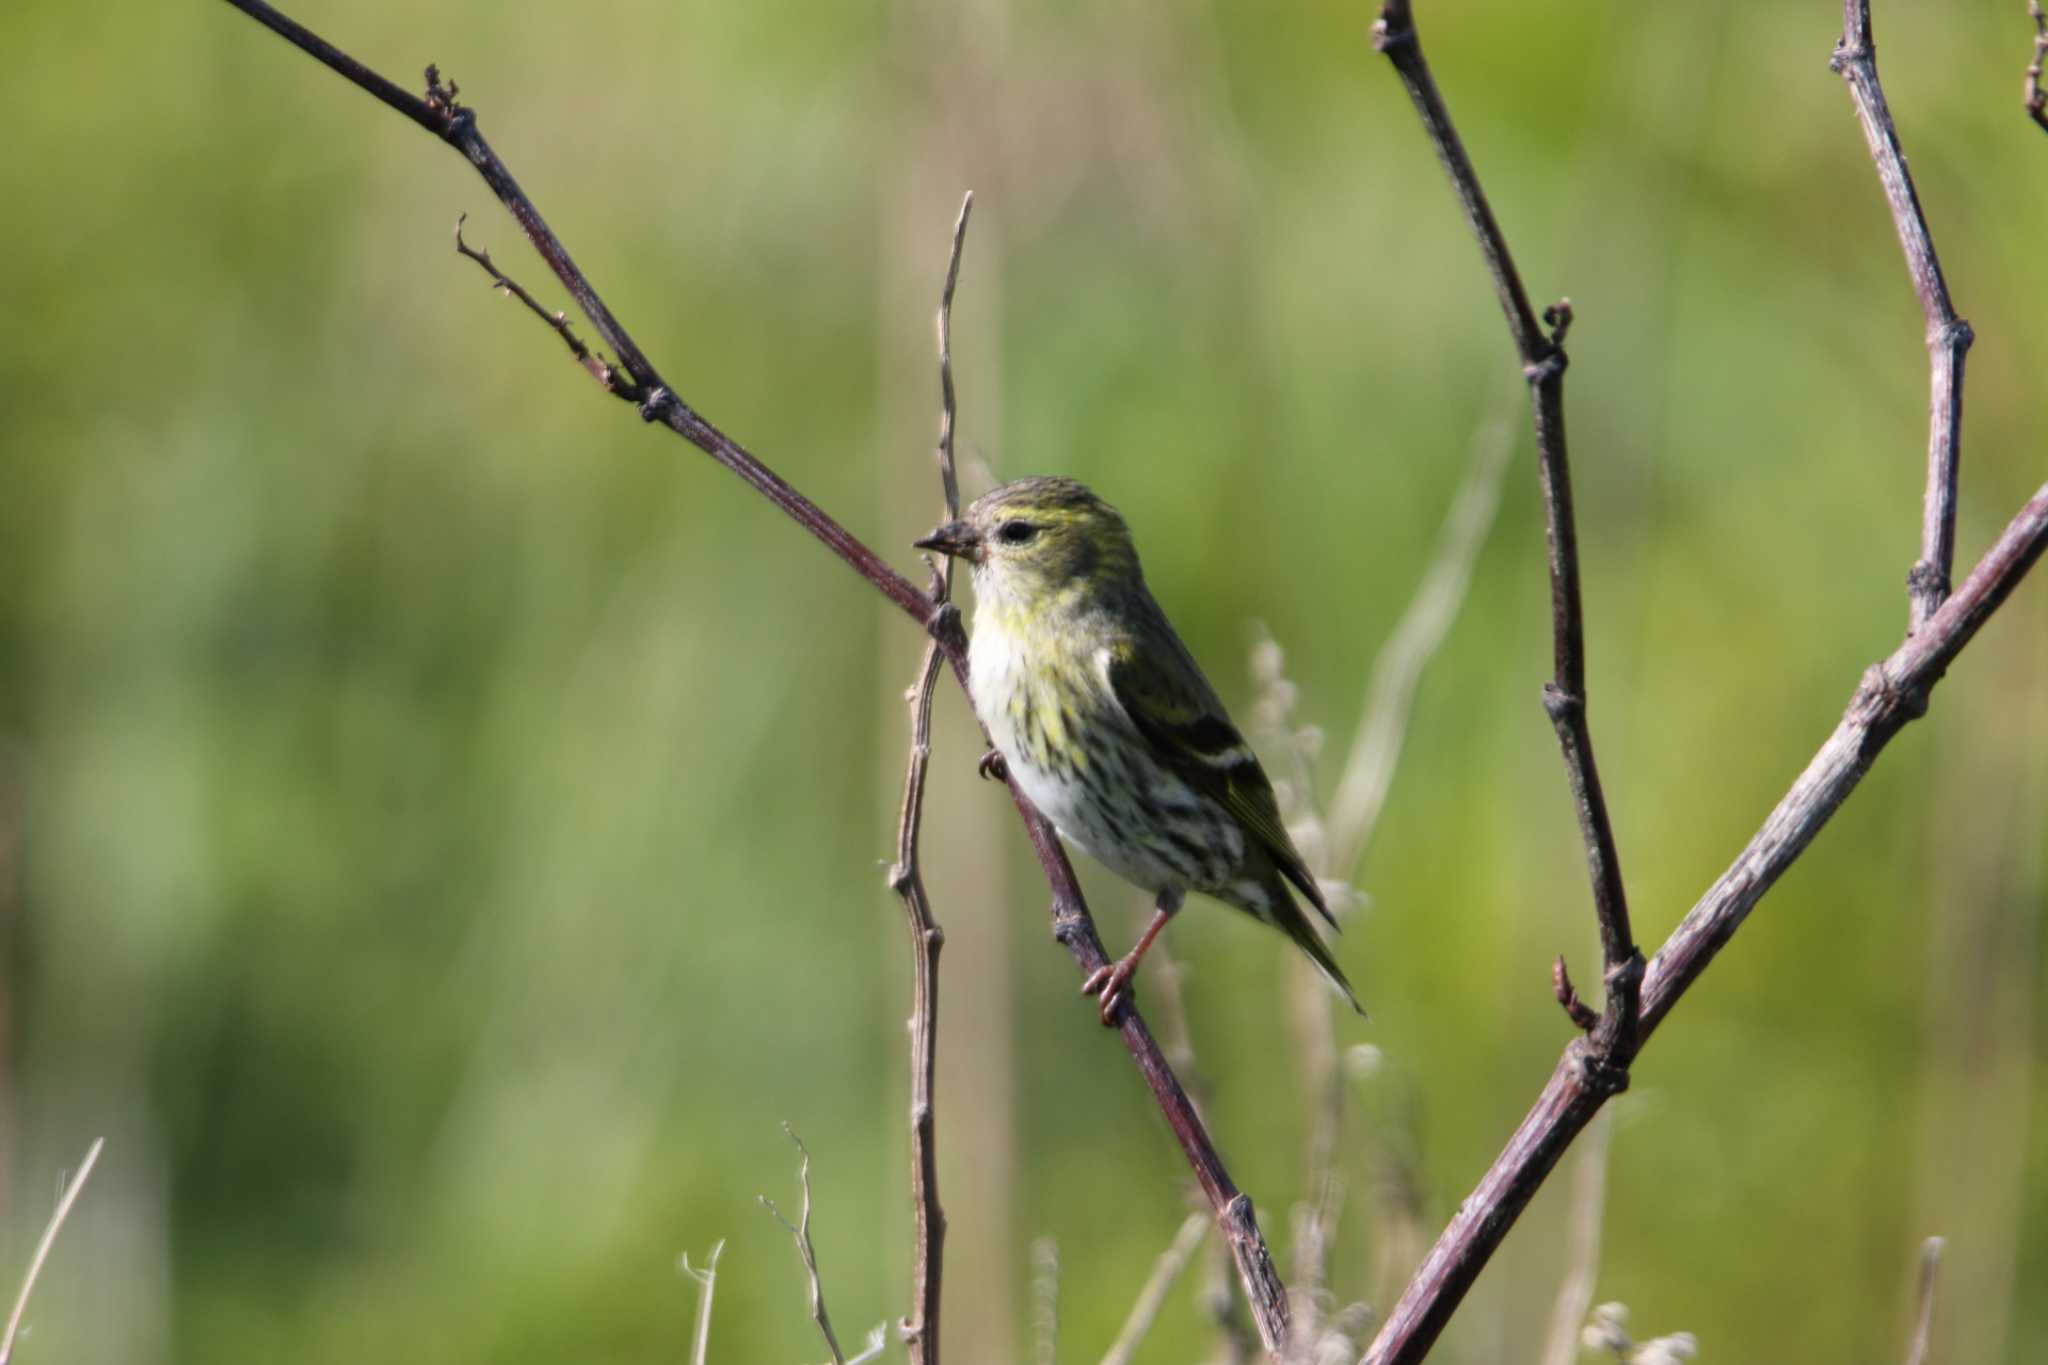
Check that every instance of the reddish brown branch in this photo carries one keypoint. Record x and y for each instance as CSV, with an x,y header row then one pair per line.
x,y
1564,697
1891,694
455,124
1948,336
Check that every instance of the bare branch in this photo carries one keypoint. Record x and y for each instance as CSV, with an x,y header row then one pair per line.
x,y
1152,1297
1948,336
600,369
800,1232
1045,1301
1073,927
1923,1320
921,1328
69,1196
2037,101
1564,697
1891,694
1582,1015
707,1284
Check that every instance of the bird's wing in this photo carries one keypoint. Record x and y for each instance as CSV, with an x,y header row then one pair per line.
x,y
1173,708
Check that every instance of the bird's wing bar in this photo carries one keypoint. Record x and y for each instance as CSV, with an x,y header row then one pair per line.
x,y
1195,741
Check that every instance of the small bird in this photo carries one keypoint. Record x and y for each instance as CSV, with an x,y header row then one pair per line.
x,y
1106,722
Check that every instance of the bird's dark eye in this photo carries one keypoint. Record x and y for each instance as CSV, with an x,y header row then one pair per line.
x,y
1016,532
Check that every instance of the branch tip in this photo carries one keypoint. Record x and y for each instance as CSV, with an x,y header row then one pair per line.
x,y
1581,1014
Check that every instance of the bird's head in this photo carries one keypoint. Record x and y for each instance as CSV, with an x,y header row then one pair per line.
x,y
1040,539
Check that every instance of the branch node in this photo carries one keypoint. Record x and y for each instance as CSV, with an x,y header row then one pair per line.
x,y
899,878
1562,706
1391,32
1878,693
1558,318
1548,366
1596,1073
944,625
1578,1011
657,399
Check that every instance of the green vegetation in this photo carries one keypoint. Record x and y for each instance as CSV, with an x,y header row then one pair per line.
x,y
443,817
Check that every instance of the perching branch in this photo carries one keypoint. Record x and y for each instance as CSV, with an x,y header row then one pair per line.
x,y
906,877
72,1189
1891,694
1948,336
800,1233
1564,697
636,380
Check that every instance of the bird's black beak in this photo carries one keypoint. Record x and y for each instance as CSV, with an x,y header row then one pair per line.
x,y
955,538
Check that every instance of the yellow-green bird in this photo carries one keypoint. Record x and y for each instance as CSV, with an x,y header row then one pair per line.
x,y
1106,722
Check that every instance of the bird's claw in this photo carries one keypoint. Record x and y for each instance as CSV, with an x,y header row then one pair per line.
x,y
1112,981
993,767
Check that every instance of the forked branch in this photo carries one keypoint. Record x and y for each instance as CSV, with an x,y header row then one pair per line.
x,y
1948,336
1892,693
636,380
1541,348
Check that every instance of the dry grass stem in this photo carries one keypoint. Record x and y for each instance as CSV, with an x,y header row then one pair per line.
x,y
65,1199
1923,1318
1376,750
1582,1273
707,1283
1045,1301
800,1233
1152,1297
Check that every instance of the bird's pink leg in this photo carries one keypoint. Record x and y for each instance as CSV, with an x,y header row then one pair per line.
x,y
1112,981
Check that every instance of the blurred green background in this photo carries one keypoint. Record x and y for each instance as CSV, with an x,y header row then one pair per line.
x,y
443,818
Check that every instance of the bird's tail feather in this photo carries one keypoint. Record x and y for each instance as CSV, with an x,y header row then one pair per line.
x,y
1302,930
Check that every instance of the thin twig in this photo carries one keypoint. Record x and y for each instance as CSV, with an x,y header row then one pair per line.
x,y
1891,694
1072,925
2037,99
921,1328
707,1284
1923,1319
65,1200
1152,1298
800,1232
1588,1205
600,369
1948,336
1045,1301
1564,697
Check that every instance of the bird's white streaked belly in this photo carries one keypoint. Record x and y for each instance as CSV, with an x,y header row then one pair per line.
x,y
1125,837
